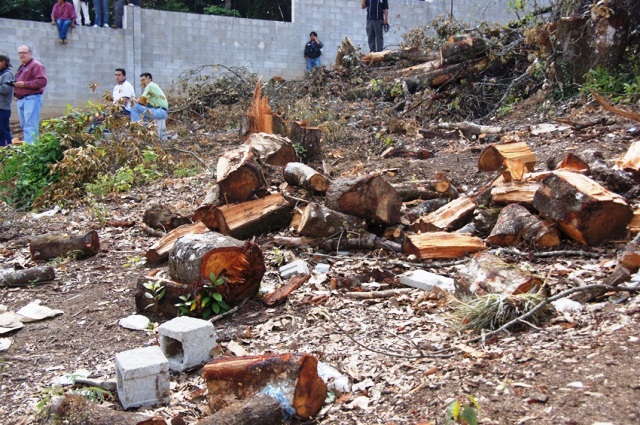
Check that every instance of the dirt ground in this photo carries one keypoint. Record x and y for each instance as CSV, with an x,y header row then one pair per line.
x,y
405,363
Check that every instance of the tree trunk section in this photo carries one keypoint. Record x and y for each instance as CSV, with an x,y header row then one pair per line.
x,y
319,221
369,197
26,277
257,409
252,218
516,224
462,50
239,175
367,241
160,217
231,379
521,192
298,174
494,156
584,210
308,138
159,251
272,149
450,217
54,246
442,245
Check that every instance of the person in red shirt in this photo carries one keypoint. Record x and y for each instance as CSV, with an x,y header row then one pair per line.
x,y
31,79
63,16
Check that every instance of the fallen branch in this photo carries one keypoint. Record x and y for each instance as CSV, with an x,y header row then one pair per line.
x,y
377,294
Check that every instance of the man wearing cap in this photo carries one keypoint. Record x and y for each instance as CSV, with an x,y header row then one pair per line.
x,y
31,79
377,17
6,95
152,105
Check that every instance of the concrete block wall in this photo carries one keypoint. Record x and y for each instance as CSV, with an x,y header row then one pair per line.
x,y
169,43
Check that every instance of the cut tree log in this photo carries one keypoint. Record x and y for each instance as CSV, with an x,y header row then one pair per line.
x,y
409,53
440,187
260,111
494,156
516,225
487,273
584,210
206,215
299,174
462,50
239,175
231,379
308,139
78,410
521,192
573,162
159,251
54,246
369,197
469,128
272,149
279,295
160,217
441,245
426,207
26,277
631,160
449,217
451,73
350,242
318,221
251,218
634,224
403,151
257,409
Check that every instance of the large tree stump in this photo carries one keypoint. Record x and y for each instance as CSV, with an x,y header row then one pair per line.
x,y
432,245
494,156
516,225
54,246
584,210
272,149
159,251
239,175
252,218
257,409
298,174
369,197
230,379
308,138
26,277
452,216
319,221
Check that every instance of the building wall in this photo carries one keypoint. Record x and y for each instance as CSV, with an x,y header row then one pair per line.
x,y
169,43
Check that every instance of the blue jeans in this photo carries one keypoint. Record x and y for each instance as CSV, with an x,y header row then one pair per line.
x,y
101,8
5,129
29,114
313,63
147,113
63,27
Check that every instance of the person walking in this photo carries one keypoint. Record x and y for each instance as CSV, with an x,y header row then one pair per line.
x,y
6,96
152,105
101,8
31,80
63,16
82,8
377,18
312,51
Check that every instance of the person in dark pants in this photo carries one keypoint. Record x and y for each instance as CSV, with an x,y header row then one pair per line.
x,y
6,95
377,17
118,9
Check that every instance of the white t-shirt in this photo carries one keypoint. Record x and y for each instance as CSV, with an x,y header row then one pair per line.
x,y
124,90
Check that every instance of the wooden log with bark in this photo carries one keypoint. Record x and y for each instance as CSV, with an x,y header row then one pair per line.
x,y
159,251
442,245
452,216
369,197
299,174
257,409
521,192
494,156
516,225
487,273
231,379
462,50
26,277
318,221
160,217
403,151
280,295
78,410
239,175
584,210
426,207
349,242
308,139
272,149
251,218
54,246
439,187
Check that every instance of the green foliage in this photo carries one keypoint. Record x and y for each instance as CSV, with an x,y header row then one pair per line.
x,y
217,10
208,300
135,262
622,84
278,256
301,151
154,291
186,170
463,413
187,305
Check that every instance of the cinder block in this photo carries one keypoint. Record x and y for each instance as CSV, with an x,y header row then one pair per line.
x,y
186,341
294,268
422,279
142,377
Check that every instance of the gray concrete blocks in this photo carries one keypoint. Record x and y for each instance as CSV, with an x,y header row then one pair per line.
x,y
186,342
142,377
294,268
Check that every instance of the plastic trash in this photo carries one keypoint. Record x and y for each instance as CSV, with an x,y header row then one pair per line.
x,y
279,395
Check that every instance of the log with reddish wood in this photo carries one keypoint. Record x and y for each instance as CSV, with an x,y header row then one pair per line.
x,y
487,273
272,149
279,295
318,221
441,245
516,225
195,257
584,210
299,174
521,192
54,246
160,217
159,251
494,156
572,162
308,139
251,218
452,216
257,409
239,175
230,379
369,197
76,409
206,215
26,277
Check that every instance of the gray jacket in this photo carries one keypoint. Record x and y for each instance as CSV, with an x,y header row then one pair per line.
x,y
6,91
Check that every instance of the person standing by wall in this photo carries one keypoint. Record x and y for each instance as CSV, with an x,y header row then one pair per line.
x,y
123,92
101,8
63,16
377,17
118,13
312,51
82,7
6,95
152,105
31,79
